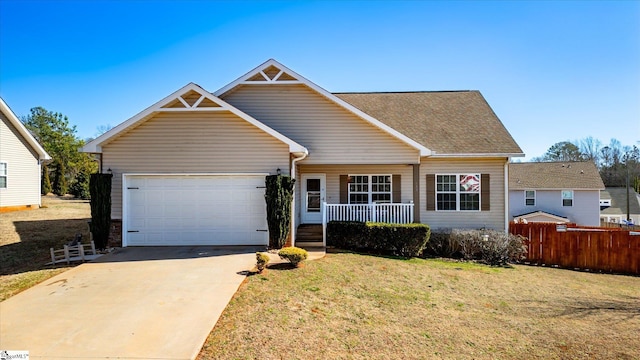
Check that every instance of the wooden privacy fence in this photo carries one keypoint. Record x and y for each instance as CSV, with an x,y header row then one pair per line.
x,y
603,249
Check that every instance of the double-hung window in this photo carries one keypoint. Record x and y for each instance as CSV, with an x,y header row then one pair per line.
x,y
3,175
457,192
367,189
567,197
530,198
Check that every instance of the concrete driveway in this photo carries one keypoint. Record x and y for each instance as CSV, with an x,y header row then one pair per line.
x,y
135,303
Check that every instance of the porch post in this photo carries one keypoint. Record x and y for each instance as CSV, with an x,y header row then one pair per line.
x,y
416,193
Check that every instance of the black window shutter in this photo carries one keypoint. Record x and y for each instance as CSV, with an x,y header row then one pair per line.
x,y
431,192
396,196
485,192
344,189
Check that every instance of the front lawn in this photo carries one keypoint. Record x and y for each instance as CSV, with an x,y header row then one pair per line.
x,y
360,307
26,237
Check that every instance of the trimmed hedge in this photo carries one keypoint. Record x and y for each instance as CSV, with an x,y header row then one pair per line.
x,y
405,240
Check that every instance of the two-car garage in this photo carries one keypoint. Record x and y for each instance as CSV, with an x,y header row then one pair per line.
x,y
194,209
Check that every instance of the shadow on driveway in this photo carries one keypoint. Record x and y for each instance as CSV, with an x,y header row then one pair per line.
x,y
174,253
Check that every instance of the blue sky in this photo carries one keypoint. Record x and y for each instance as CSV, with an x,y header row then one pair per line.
x,y
551,71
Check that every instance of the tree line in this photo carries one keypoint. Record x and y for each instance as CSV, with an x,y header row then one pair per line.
x,y
68,171
616,162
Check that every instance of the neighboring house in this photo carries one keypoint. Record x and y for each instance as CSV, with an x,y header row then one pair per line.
x,y
20,163
562,190
190,169
613,202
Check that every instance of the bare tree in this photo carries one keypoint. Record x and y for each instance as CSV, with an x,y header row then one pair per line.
x,y
590,149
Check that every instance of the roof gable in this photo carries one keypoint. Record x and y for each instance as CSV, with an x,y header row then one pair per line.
x,y
540,216
13,119
272,72
192,98
455,123
555,175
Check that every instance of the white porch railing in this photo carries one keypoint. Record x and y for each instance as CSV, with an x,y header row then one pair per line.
x,y
387,213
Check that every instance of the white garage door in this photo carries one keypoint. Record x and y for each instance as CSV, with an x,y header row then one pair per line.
x,y
195,210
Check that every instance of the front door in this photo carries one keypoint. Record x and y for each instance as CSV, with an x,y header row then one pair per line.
x,y
313,194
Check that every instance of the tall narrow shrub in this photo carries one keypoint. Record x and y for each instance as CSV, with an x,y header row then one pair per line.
x,y
278,195
60,185
46,182
100,191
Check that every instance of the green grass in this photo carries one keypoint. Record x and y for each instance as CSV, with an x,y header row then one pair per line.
x,y
351,306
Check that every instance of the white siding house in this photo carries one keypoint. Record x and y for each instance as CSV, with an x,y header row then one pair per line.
x,y
20,163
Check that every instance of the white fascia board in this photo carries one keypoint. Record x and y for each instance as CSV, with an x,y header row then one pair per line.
x,y
302,80
13,119
95,146
480,155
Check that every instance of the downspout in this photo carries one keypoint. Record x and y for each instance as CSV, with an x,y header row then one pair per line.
x,y
506,195
293,206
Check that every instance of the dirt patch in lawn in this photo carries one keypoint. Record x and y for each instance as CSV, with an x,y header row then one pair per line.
x,y
351,306
26,236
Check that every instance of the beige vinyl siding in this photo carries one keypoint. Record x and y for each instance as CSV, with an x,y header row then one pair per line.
x,y
184,142
23,170
332,134
333,172
494,219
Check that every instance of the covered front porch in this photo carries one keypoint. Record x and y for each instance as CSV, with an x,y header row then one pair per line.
x,y
315,235
374,192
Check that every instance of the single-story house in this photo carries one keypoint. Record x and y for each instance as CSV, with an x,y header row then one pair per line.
x,y
21,158
565,190
614,205
190,168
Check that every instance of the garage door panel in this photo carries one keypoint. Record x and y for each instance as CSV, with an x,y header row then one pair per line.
x,y
196,210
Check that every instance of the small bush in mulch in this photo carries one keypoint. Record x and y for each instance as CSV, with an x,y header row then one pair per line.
x,y
293,255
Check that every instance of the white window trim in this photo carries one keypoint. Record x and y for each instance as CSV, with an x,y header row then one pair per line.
x,y
573,198
370,192
6,175
526,198
458,192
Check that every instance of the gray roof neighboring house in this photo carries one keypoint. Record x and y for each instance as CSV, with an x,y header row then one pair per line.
x,y
618,196
447,122
555,175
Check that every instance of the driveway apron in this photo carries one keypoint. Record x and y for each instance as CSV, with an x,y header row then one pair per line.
x,y
135,303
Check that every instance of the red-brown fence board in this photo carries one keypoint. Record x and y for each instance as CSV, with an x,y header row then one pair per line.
x,y
602,249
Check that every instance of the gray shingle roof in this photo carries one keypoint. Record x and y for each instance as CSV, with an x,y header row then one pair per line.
x,y
448,122
554,175
618,198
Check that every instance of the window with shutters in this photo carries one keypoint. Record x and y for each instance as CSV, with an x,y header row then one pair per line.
x,y
458,192
368,189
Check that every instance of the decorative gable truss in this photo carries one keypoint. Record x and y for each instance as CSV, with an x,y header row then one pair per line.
x,y
194,100
272,72
191,98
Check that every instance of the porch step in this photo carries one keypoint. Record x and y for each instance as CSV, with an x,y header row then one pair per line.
x,y
309,233
309,244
